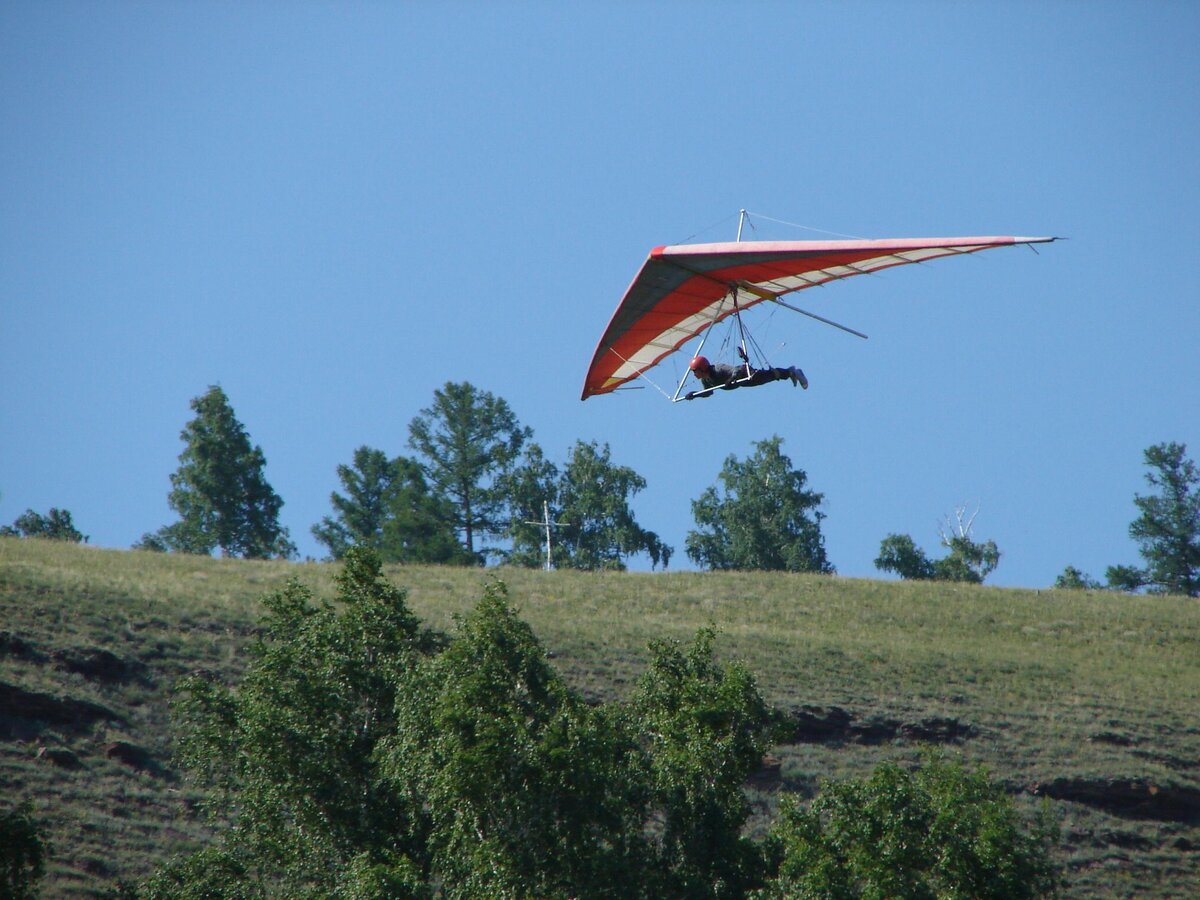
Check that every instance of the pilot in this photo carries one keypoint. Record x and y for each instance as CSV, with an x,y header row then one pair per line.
x,y
727,377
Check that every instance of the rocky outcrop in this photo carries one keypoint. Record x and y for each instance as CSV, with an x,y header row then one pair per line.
x,y
98,664
133,756
834,725
15,646
93,663
1128,797
60,756
20,707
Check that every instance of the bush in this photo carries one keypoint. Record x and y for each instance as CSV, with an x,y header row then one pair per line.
x,y
22,853
939,831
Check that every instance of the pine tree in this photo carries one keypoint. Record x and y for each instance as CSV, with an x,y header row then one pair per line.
x,y
1168,530
220,491
389,508
468,440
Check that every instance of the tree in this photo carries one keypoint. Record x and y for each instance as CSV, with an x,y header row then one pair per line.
x,y
939,831
532,489
364,756
468,440
1168,529
966,561
358,519
763,519
289,757
705,726
530,792
56,526
389,508
1073,579
899,553
361,756
22,853
594,495
220,491
588,506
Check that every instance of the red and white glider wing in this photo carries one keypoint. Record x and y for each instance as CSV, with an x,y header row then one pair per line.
x,y
682,290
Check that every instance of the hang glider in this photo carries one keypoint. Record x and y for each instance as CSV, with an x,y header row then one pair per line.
x,y
683,290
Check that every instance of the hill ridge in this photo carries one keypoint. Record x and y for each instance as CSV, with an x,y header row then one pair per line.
x,y
1085,700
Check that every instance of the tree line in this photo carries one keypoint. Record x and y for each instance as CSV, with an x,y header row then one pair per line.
x,y
478,489
365,756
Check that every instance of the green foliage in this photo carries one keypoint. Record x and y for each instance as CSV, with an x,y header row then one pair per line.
x,y
153,542
529,791
594,495
214,872
967,560
56,526
355,761
22,853
763,519
388,507
220,492
468,440
1126,578
589,510
707,727
941,831
1168,529
289,756
360,758
370,486
532,488
1033,684
1073,579
899,553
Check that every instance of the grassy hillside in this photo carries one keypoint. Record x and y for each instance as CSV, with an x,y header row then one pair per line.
x,y
1088,700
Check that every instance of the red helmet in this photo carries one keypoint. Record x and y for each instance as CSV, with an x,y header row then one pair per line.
x,y
699,364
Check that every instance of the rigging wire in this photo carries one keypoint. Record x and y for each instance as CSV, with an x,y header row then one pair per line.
x,y
706,228
855,237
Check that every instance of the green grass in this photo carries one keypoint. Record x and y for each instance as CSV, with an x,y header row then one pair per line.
x,y
1053,685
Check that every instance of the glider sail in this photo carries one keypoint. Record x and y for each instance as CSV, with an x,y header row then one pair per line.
x,y
684,289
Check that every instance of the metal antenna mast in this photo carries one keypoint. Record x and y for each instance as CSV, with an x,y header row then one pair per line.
x,y
547,523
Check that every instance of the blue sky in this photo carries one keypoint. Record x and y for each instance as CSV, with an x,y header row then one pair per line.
x,y
331,210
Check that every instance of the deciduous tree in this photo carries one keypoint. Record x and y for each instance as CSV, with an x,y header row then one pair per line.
x,y
591,520
1073,579
939,831
532,490
899,553
967,560
289,757
22,853
594,496
762,518
365,757
706,727
530,792
56,526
